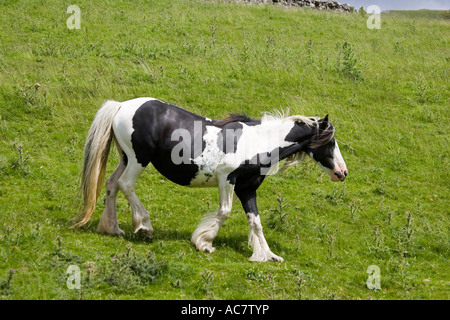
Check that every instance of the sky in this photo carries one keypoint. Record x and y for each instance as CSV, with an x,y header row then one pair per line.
x,y
400,4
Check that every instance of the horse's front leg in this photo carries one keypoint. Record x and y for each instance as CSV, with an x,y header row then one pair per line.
x,y
208,228
256,239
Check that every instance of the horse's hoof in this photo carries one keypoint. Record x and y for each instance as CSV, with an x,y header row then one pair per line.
x,y
276,258
145,231
266,257
209,249
114,232
205,247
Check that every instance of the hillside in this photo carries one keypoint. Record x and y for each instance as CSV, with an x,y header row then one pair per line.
x,y
386,91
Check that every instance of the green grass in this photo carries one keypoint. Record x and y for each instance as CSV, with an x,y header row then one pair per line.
x,y
386,91
420,14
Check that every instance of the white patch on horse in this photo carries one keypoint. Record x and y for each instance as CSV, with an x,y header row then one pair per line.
x,y
209,159
338,159
123,121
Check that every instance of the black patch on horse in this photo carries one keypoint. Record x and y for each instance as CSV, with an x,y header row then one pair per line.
x,y
324,154
229,137
153,124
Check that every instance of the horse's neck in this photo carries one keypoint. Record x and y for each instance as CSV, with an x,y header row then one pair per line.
x,y
296,140
276,130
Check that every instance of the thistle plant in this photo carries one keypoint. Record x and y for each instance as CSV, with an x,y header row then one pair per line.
x,y
5,286
279,213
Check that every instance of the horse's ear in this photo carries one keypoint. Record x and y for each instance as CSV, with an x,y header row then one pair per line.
x,y
323,123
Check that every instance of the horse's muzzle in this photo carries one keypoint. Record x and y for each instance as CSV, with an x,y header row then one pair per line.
x,y
339,174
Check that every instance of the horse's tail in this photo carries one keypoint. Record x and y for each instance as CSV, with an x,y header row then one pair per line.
x,y
96,151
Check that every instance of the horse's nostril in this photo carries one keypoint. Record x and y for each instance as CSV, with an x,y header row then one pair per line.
x,y
338,174
345,173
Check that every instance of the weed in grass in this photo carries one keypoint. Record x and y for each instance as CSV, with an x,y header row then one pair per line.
x,y
270,279
377,244
91,271
213,29
20,164
404,237
424,92
354,206
337,196
13,237
3,126
399,47
327,238
5,285
34,100
118,276
362,12
331,243
254,275
60,257
381,188
328,294
412,27
347,63
36,231
178,284
131,269
309,53
277,219
301,284
401,274
205,286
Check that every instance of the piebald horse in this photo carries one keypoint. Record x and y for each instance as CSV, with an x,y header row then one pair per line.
x,y
234,154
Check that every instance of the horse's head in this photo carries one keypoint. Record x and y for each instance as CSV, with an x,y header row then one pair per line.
x,y
325,151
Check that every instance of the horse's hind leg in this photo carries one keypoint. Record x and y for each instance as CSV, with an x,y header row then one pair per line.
x,y
127,181
108,221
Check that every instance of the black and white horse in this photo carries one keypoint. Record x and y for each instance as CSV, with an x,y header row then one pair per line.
x,y
234,154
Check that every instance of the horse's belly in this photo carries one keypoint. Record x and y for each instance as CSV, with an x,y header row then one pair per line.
x,y
192,175
204,179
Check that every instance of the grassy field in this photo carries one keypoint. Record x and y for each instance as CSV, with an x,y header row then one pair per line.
x,y
386,91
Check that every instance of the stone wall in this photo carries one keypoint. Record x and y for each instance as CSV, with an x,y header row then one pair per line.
x,y
316,4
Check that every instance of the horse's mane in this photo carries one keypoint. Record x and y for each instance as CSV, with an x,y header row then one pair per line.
x,y
284,115
323,136
235,117
267,116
